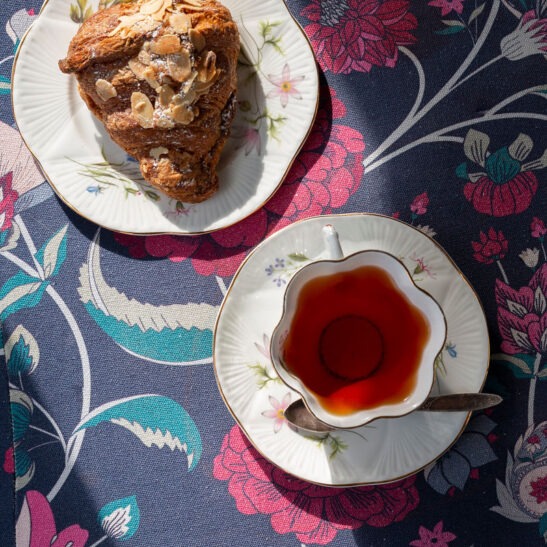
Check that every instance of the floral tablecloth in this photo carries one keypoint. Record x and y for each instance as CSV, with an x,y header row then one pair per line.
x,y
432,112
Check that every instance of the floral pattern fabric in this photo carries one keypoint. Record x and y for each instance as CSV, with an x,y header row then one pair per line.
x,y
112,426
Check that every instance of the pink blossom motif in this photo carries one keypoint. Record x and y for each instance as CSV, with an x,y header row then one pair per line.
x,y
277,413
36,526
9,461
356,35
539,489
419,205
325,174
17,160
446,6
530,36
433,538
249,138
285,86
505,183
8,197
18,24
533,444
522,315
538,228
315,514
491,247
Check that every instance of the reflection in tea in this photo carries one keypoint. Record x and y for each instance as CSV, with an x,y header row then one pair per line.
x,y
356,340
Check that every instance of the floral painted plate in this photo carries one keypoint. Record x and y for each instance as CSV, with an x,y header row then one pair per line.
x,y
387,449
277,92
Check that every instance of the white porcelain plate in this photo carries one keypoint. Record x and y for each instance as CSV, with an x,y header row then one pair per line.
x,y
277,93
386,449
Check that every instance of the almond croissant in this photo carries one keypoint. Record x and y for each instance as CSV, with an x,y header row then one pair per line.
x,y
161,76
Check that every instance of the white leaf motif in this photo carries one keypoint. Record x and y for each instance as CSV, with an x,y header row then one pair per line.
x,y
17,293
516,308
51,252
540,303
475,146
115,524
93,288
521,147
521,339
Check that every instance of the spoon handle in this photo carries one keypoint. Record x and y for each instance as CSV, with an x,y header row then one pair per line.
x,y
459,402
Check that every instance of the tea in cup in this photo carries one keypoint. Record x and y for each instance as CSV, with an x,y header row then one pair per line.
x,y
357,338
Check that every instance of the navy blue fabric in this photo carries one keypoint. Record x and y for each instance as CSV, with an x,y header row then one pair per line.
x,y
361,105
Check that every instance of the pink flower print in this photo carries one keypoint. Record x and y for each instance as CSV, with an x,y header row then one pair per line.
x,y
491,247
9,461
356,35
533,444
36,525
285,86
538,228
8,197
433,538
446,6
419,205
249,138
16,159
539,489
530,36
277,413
315,514
522,315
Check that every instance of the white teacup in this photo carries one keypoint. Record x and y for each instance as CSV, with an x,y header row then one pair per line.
x,y
357,338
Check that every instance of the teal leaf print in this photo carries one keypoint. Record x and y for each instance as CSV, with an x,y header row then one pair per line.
x,y
155,420
543,525
53,253
461,171
120,519
19,292
5,86
21,413
157,333
501,167
22,352
24,468
455,27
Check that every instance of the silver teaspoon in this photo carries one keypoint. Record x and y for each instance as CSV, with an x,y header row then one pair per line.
x,y
298,415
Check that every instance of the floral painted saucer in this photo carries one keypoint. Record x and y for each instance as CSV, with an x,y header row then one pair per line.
x,y
278,94
386,449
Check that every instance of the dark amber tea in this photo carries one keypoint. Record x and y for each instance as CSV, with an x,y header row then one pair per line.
x,y
356,341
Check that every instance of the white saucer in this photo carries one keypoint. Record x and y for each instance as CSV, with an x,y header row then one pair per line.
x,y
96,179
387,449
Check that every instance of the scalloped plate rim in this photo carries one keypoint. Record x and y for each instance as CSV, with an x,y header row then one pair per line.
x,y
309,51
